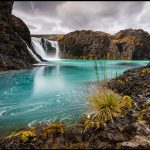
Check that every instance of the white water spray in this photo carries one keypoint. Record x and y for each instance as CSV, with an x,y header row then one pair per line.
x,y
31,52
34,56
43,49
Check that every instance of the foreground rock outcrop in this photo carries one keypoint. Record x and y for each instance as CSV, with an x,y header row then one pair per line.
x,y
13,32
124,133
134,82
87,44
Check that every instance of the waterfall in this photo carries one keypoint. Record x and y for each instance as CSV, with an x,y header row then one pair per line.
x,y
55,44
31,52
43,47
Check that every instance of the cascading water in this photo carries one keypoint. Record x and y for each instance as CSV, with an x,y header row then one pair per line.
x,y
31,52
41,48
34,56
55,44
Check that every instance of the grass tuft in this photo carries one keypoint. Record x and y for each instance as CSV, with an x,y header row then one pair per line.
x,y
106,105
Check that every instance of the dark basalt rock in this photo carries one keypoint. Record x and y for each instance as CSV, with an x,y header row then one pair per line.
x,y
148,65
134,82
13,50
87,44
123,133
21,29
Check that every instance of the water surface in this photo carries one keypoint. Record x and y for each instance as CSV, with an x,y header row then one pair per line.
x,y
54,91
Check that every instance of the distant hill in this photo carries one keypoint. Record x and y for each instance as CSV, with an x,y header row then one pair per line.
x,y
53,37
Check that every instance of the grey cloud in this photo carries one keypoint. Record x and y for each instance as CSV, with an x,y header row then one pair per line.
x,y
38,7
31,27
103,16
65,16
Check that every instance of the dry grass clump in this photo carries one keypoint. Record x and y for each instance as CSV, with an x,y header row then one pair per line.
x,y
105,105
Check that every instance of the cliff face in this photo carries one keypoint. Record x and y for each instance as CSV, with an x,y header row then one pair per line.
x,y
21,29
84,44
126,44
131,44
13,51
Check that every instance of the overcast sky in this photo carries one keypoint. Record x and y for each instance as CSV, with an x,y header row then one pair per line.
x,y
50,17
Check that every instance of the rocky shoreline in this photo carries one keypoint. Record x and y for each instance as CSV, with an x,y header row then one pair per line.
x,y
129,131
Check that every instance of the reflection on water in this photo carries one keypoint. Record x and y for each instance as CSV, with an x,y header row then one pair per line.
x,y
56,90
47,79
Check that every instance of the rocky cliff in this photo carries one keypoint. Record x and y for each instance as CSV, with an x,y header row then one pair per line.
x,y
130,44
84,45
126,44
21,29
13,32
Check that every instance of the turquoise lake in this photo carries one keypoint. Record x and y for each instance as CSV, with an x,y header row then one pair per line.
x,y
56,90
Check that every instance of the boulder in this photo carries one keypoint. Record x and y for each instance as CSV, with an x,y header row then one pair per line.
x,y
138,142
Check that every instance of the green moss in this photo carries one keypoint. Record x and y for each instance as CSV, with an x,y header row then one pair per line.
x,y
27,135
54,128
23,135
147,70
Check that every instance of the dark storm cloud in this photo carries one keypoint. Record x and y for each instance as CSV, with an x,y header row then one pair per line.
x,y
62,17
43,8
